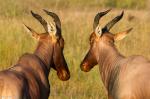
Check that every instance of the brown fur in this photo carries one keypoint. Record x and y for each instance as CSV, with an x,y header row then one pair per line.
x,y
28,78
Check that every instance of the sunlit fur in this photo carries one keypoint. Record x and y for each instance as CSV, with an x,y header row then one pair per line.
x,y
123,77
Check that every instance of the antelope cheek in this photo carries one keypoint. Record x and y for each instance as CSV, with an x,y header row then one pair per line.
x,y
63,75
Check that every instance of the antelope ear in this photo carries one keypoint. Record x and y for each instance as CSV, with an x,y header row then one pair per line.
x,y
98,30
34,34
51,28
121,35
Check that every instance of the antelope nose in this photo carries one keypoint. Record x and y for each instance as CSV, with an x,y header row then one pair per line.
x,y
63,75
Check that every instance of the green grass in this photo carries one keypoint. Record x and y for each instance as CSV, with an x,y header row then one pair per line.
x,y
126,3
76,27
13,8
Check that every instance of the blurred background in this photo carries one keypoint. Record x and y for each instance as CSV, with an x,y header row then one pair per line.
x,y
77,19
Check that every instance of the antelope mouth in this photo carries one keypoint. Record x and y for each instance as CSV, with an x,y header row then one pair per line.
x,y
85,67
63,75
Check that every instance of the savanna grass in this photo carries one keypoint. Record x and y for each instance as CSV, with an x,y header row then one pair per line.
x,y
76,28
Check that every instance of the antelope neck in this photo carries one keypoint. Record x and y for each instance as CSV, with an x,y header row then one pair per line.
x,y
109,60
45,53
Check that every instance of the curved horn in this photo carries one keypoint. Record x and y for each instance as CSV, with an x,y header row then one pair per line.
x,y
56,20
41,20
34,33
29,28
110,24
97,18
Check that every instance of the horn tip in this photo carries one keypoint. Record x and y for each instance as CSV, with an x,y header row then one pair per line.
x,y
105,12
122,12
109,10
27,28
31,12
130,29
121,15
45,10
48,12
24,25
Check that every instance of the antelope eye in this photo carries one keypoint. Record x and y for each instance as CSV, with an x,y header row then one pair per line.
x,y
92,40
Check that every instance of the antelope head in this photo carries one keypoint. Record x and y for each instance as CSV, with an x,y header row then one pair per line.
x,y
99,38
53,40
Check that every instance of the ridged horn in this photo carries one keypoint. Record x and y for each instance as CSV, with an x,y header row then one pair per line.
x,y
56,20
32,31
41,20
97,18
110,24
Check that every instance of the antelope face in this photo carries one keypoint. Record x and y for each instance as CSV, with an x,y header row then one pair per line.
x,y
99,38
52,40
59,63
96,42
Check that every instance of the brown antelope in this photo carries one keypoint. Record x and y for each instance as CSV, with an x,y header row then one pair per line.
x,y
28,79
123,77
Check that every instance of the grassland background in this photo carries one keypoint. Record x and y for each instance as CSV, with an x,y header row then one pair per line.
x,y
77,19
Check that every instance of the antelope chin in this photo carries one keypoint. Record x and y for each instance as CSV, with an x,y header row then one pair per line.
x,y
84,67
63,75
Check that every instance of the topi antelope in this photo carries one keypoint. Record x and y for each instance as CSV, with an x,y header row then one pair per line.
x,y
123,77
28,79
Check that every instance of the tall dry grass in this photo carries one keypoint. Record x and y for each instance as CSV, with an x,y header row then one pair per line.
x,y
76,28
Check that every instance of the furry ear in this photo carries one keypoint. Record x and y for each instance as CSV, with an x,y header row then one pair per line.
x,y
34,34
121,35
98,30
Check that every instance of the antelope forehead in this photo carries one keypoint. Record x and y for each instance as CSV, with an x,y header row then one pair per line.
x,y
108,36
53,38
